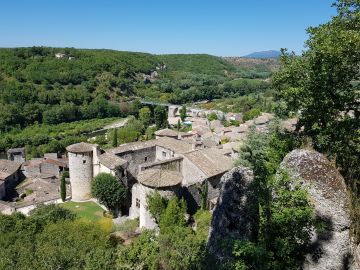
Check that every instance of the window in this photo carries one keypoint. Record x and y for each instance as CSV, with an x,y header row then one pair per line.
x,y
84,161
145,159
137,203
164,154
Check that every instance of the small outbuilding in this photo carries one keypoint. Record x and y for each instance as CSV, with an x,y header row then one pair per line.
x,y
16,154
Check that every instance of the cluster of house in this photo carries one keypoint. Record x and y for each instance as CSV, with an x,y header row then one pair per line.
x,y
187,164
26,183
215,134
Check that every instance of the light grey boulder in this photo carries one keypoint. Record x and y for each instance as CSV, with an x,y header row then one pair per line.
x,y
330,247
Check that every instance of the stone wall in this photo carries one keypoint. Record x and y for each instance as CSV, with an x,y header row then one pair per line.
x,y
191,174
163,153
12,180
104,169
137,157
134,211
173,164
96,162
193,194
17,157
31,171
6,208
192,197
50,169
81,174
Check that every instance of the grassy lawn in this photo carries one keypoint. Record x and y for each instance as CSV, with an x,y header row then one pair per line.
x,y
87,210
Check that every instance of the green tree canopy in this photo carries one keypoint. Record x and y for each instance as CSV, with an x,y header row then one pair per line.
x,y
285,212
52,238
156,205
160,116
114,142
145,116
323,87
183,115
108,190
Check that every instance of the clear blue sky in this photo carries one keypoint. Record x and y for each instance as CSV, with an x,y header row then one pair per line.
x,y
218,27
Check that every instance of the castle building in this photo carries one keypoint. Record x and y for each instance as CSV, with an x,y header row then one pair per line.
x,y
170,166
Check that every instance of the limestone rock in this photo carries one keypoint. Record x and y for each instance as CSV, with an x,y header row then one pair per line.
x,y
330,247
236,213
357,256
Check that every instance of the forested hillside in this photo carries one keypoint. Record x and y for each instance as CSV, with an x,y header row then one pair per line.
x,y
54,85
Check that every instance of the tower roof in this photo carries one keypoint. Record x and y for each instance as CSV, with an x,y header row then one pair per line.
x,y
81,147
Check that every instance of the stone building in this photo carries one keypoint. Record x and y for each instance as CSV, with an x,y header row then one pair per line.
x,y
53,167
50,166
83,166
171,166
10,176
166,182
16,154
167,158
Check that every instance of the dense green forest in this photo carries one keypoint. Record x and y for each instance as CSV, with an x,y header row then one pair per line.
x,y
38,87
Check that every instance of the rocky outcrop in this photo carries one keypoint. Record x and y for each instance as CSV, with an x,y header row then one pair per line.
x,y
357,256
236,214
330,247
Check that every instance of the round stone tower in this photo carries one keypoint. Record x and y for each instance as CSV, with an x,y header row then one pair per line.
x,y
167,183
82,158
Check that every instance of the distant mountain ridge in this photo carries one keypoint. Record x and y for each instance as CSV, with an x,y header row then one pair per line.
x,y
264,54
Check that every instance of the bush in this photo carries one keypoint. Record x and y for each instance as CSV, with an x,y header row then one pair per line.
x,y
251,114
156,205
212,116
